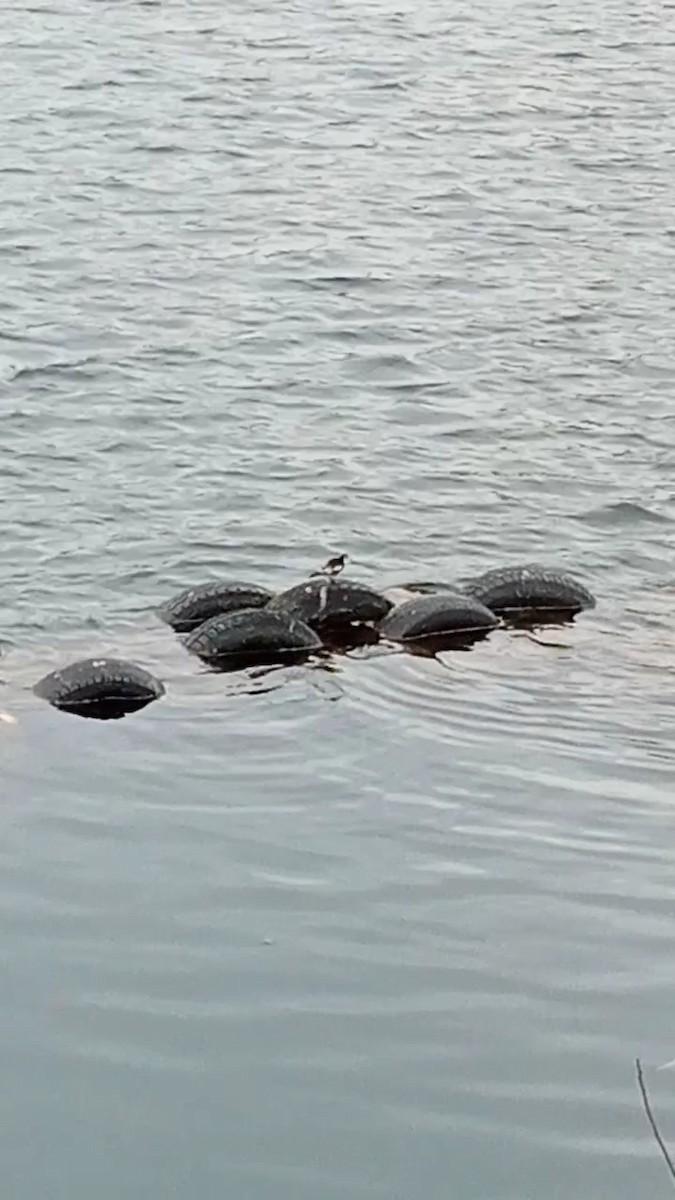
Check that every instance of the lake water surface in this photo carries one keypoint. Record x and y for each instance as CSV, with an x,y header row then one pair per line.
x,y
278,280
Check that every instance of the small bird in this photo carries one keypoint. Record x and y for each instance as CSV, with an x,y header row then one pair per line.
x,y
332,567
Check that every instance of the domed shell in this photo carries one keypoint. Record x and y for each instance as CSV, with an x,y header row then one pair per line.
x,y
529,588
436,615
252,634
192,607
323,602
99,687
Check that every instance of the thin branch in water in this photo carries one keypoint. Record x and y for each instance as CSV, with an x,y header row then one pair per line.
x,y
549,645
652,1120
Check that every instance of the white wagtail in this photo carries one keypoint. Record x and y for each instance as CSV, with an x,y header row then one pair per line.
x,y
332,567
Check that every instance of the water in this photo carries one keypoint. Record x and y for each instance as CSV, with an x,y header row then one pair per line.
x,y
280,281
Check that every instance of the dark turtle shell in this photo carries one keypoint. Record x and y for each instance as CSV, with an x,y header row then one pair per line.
x,y
436,615
324,602
529,588
252,635
100,687
195,605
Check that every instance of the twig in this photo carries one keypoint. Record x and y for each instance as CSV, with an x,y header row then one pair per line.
x,y
550,645
652,1120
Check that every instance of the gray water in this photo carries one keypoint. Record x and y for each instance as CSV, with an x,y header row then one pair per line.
x,y
278,280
